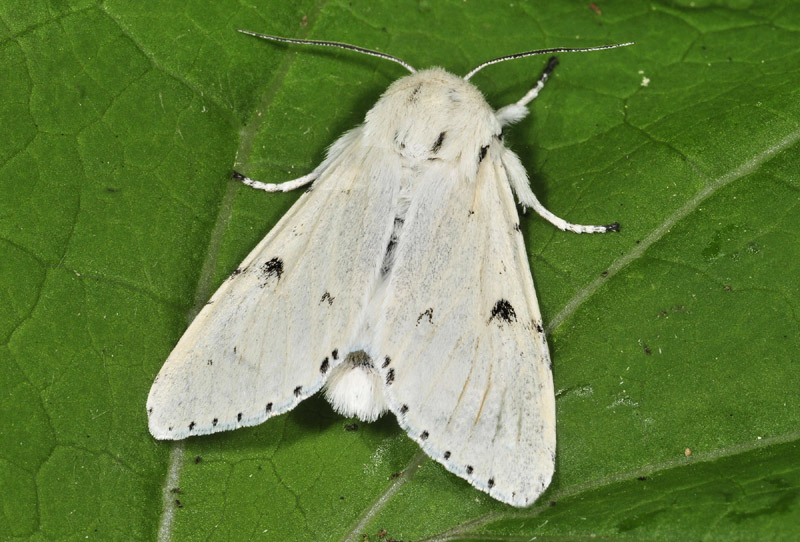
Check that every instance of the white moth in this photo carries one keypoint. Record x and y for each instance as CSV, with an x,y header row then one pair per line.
x,y
398,281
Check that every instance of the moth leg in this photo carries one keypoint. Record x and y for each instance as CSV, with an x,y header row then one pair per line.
x,y
516,111
562,224
518,179
534,92
286,186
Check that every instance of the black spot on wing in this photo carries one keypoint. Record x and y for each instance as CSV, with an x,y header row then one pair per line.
x,y
298,390
490,483
324,367
424,435
335,354
438,143
447,455
388,257
327,297
386,361
269,408
214,422
191,426
403,409
428,313
390,377
238,271
469,469
516,227
503,311
272,268
239,417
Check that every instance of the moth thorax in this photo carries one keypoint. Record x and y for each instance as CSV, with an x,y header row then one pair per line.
x,y
354,388
432,115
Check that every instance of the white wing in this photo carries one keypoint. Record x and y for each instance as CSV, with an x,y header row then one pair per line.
x,y
275,329
467,371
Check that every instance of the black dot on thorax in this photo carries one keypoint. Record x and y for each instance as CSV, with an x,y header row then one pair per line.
x,y
438,143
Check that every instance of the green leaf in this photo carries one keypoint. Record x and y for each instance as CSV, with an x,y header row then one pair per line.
x,y
118,219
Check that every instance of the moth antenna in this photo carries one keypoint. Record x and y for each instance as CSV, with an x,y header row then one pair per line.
x,y
347,46
543,52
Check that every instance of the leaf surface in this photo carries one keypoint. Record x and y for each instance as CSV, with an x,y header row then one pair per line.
x,y
675,342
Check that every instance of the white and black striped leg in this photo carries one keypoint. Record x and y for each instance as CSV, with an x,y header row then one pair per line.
x,y
534,92
563,225
286,186
518,110
530,201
